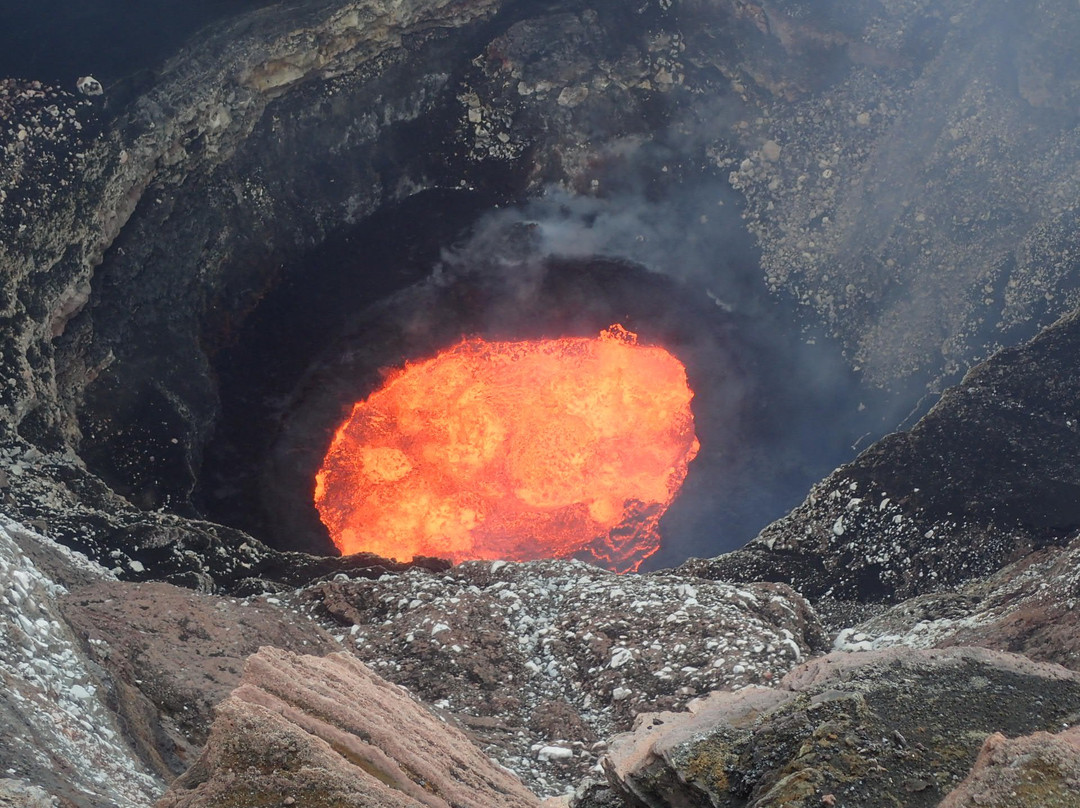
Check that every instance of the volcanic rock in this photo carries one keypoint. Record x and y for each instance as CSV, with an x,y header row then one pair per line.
x,y
327,731
855,726
540,659
882,214
55,490
1029,607
172,655
990,474
57,731
1041,770
20,794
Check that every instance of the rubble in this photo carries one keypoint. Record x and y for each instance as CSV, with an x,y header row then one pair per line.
x,y
542,659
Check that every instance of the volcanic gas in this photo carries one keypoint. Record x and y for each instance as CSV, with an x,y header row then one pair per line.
x,y
554,448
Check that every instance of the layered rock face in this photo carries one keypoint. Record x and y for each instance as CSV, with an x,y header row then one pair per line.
x,y
327,731
172,655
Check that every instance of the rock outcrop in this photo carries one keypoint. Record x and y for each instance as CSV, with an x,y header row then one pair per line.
x,y
171,655
325,731
58,734
1029,607
20,794
847,728
990,474
1041,770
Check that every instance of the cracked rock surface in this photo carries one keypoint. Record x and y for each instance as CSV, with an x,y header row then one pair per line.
x,y
326,731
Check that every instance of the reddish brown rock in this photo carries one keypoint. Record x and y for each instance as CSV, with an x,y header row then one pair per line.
x,y
1037,771
172,654
322,731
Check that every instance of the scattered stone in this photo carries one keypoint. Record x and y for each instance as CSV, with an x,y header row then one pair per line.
x,y
591,648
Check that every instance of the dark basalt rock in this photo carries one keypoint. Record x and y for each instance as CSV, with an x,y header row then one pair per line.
x,y
990,474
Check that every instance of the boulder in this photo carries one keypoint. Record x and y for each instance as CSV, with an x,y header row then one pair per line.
x,y
172,654
1041,770
310,730
59,733
843,729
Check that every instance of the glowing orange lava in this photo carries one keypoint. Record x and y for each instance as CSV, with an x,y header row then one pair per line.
x,y
557,448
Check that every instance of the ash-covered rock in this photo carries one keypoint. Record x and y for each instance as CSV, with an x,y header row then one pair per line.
x,y
1029,607
991,473
57,731
110,687
327,731
846,729
544,659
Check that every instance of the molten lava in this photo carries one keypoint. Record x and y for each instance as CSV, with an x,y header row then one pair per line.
x,y
557,448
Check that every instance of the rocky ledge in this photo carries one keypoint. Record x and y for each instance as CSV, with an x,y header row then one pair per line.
x,y
988,476
846,729
543,661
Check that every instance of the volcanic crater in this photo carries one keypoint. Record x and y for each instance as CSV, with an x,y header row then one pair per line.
x,y
828,213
